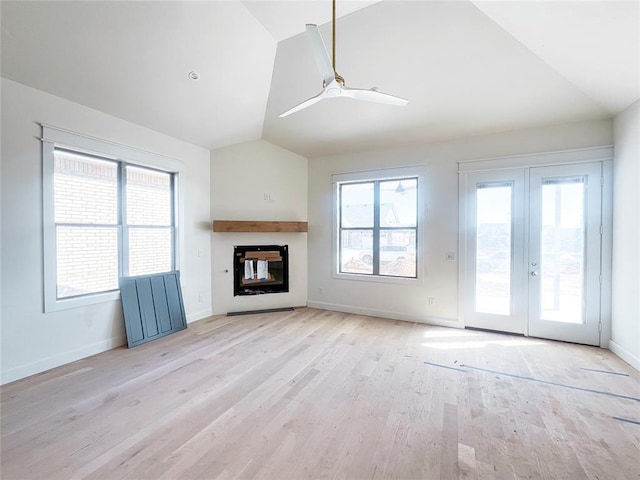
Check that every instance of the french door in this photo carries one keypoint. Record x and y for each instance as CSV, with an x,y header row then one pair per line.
x,y
533,251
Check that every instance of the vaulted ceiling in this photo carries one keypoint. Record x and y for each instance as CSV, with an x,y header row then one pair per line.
x,y
467,67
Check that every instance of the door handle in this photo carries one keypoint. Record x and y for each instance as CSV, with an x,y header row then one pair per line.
x,y
534,274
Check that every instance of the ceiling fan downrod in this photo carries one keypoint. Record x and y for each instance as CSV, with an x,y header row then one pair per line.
x,y
339,77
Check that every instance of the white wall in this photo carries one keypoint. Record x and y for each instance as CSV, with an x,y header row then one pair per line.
x,y
240,176
625,327
441,222
31,340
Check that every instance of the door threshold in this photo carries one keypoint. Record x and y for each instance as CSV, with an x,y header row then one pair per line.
x,y
495,331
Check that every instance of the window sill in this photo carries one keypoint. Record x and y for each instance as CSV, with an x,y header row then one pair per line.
x,y
56,305
377,278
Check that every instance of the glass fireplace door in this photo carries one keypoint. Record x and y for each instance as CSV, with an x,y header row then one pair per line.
x,y
260,269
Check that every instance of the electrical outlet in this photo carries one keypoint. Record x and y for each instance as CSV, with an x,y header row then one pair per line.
x,y
201,297
321,290
431,300
451,256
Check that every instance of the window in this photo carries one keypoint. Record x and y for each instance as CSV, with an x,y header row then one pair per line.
x,y
149,221
103,218
86,224
378,226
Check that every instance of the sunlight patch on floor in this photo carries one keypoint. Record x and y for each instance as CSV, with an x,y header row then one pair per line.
x,y
450,333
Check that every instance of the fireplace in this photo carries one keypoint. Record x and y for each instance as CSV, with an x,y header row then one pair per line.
x,y
260,269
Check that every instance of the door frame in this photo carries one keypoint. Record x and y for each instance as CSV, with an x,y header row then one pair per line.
x,y
602,154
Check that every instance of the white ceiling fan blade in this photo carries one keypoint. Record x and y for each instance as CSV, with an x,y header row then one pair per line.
x,y
374,96
323,61
304,104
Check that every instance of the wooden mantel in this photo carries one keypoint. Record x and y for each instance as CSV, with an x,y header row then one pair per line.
x,y
258,226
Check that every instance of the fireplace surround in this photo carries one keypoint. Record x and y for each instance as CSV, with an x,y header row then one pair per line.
x,y
260,269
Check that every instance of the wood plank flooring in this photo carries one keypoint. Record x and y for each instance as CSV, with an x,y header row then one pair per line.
x,y
319,394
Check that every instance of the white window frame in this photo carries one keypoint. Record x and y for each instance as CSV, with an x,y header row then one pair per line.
x,y
374,175
54,137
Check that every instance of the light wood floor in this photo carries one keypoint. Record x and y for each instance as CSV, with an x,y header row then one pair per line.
x,y
317,394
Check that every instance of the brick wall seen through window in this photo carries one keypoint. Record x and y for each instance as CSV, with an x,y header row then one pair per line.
x,y
91,210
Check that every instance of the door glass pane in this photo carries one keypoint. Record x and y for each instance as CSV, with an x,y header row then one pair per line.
x,y
562,249
493,248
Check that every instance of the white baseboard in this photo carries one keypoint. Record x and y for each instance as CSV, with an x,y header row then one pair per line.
x,y
443,322
193,317
48,363
625,355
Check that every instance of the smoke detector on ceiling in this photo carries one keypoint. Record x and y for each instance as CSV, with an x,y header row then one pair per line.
x,y
193,75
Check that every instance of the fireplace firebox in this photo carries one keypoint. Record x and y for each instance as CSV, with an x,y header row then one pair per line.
x,y
259,269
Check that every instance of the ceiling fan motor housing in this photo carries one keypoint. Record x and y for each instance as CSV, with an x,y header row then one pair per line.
x,y
339,78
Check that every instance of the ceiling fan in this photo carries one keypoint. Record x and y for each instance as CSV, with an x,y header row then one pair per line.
x,y
333,85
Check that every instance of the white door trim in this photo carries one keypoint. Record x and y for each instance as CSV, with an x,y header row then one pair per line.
x,y
563,157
